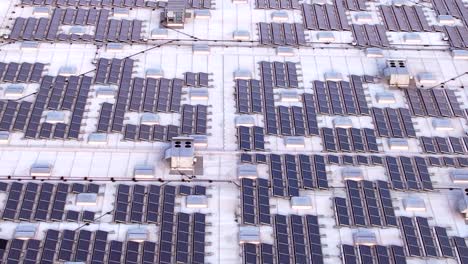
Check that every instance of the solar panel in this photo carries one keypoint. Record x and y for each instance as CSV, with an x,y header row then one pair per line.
x,y
121,203
66,245
373,210
411,238
394,173
149,252
341,211
305,168
355,199
285,120
263,206
245,138
322,97
343,139
398,254
266,253
283,253
426,237
349,255
371,140
27,204
291,175
246,158
248,201
152,208
386,203
260,158
276,173
250,253
310,113
115,252
298,239
16,247
423,173
320,172
409,173
12,201
137,198
49,246
365,254
198,239
182,237
328,139
381,254
335,98
32,251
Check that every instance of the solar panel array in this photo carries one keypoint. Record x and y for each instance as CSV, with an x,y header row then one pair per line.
x,y
297,240
107,30
354,5
442,145
42,202
391,122
341,98
408,173
277,4
421,239
90,3
373,254
281,34
21,72
370,36
370,204
289,173
405,18
199,79
434,102
249,96
349,140
325,17
251,138
255,202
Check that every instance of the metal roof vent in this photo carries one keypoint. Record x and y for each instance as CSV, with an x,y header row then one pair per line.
x,y
459,176
199,94
363,17
333,76
202,14
460,54
279,17
247,171
143,172
294,142
149,119
121,12
397,73
196,201
41,11
155,73
446,20
29,45
342,122
14,91
25,231
41,170
301,202
351,173
243,35
412,38
398,144
114,47
105,93
137,234
200,141
201,49
4,137
364,237
427,78
86,199
67,71
385,98
325,37
159,33
249,234
414,204
55,117
442,124
97,138
285,51
242,75
374,53
245,120
289,96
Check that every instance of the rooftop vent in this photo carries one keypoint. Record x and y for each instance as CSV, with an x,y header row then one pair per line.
x,y
398,144
460,54
41,170
199,94
86,199
29,45
301,202
247,171
159,33
289,96
325,37
442,124
249,234
97,138
294,142
143,172
414,204
105,93
374,53
342,122
196,201
245,120
350,173
155,73
149,119
243,35
25,231
137,234
385,98
285,51
55,117
4,136
242,75
459,176
364,237
333,76
13,91
201,49
279,17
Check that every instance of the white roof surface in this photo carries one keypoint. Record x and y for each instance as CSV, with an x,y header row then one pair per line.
x,y
77,160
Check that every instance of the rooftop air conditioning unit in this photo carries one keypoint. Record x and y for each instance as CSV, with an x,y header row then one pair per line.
x,y
397,73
